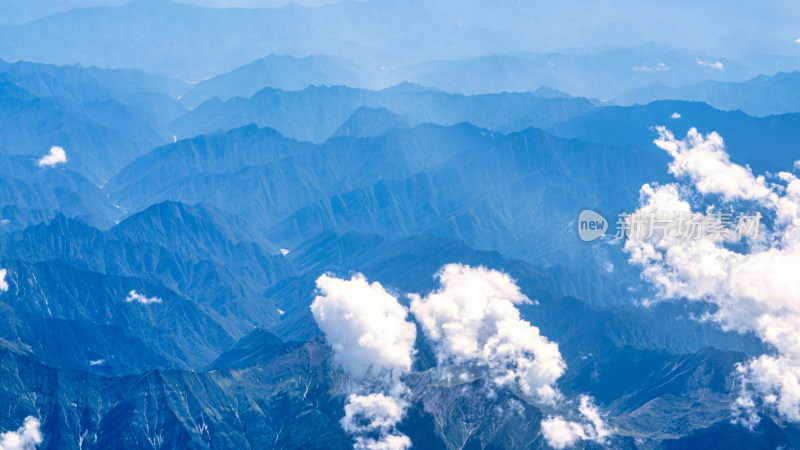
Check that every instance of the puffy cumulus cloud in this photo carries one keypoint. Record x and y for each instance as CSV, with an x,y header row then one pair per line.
x,y
704,160
374,343
797,41
474,325
366,327
561,433
388,442
3,282
753,284
712,64
675,115
56,156
372,419
772,380
136,297
473,320
27,437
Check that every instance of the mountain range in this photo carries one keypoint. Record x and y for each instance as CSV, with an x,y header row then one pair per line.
x,y
324,224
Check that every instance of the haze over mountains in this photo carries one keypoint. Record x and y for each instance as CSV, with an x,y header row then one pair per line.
x,y
177,177
761,96
190,42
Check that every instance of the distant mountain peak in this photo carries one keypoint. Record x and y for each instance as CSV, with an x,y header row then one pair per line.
x,y
257,347
371,122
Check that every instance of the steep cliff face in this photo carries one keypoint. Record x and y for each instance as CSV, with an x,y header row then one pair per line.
x,y
278,402
266,392
188,250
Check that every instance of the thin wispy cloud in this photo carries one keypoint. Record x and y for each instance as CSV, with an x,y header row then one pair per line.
x,y
660,67
712,64
590,426
135,297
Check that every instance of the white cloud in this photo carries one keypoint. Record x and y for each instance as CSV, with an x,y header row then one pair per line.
x,y
375,415
704,160
776,381
27,437
756,289
374,343
365,413
561,433
57,155
284,252
134,296
473,321
660,67
3,282
474,325
97,362
675,115
797,41
365,326
712,64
